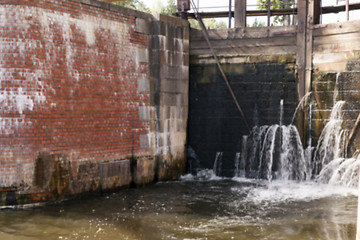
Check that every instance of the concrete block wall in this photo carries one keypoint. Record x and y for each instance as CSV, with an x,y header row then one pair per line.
x,y
78,98
171,78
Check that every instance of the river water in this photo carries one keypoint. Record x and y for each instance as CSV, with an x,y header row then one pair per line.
x,y
200,207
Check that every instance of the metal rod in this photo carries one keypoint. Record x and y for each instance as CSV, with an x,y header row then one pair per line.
x,y
206,36
347,10
277,12
230,15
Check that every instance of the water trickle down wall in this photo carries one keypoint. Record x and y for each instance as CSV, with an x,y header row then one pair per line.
x,y
260,65
336,75
80,99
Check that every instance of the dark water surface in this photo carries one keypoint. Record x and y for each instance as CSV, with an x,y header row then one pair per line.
x,y
195,209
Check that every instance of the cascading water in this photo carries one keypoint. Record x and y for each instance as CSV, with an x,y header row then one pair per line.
x,y
331,141
341,171
218,163
275,152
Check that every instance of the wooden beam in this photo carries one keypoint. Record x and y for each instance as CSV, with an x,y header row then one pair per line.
x,y
240,13
276,12
317,11
112,1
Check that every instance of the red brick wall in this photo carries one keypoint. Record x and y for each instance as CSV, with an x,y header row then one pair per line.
x,y
68,85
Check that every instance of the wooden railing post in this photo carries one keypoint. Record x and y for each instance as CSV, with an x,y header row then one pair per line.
x,y
240,13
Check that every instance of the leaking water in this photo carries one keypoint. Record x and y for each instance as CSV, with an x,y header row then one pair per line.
x,y
331,143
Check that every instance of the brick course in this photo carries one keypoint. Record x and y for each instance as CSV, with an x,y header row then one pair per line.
x,y
68,85
77,89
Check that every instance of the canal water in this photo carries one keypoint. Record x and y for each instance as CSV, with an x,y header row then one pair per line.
x,y
195,207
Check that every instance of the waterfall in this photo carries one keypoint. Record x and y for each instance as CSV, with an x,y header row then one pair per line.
x,y
275,152
281,112
193,160
218,163
341,171
300,105
237,165
331,143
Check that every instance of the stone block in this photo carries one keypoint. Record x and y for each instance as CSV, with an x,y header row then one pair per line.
x,y
144,141
144,113
115,174
142,55
173,99
143,84
142,26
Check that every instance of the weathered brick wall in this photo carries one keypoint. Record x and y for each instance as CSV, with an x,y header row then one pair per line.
x,y
76,91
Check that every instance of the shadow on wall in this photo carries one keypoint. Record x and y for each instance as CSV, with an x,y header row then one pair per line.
x,y
216,126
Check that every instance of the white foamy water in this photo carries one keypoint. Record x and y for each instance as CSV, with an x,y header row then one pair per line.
x,y
285,191
202,175
331,141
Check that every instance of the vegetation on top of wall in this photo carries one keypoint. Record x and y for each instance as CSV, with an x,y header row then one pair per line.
x,y
168,9
276,4
210,23
134,4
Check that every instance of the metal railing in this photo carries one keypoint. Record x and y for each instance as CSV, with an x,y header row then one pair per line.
x,y
284,14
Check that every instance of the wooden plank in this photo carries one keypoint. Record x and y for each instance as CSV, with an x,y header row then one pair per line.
x,y
330,58
330,67
260,42
247,51
348,37
245,43
240,13
336,47
338,28
260,32
300,51
277,12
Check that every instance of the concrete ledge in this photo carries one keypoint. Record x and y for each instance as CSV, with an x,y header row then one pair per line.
x,y
171,20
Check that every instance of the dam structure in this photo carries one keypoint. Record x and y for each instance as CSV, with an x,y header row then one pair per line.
x,y
95,97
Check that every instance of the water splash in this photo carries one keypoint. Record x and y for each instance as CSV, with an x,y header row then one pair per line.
x,y
281,112
300,105
341,171
336,89
218,163
237,164
193,161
